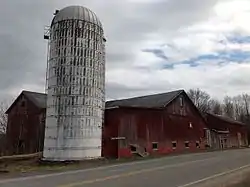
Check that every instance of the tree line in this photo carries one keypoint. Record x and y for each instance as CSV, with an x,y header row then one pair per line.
x,y
3,126
236,107
3,117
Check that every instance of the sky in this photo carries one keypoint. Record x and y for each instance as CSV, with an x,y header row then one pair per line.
x,y
152,46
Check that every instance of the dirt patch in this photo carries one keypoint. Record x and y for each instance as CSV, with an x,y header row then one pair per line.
x,y
245,182
35,165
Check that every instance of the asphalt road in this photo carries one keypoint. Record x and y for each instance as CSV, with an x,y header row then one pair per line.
x,y
176,171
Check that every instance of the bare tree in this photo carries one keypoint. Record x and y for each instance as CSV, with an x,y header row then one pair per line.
x,y
215,107
245,113
238,107
228,107
246,101
200,98
3,117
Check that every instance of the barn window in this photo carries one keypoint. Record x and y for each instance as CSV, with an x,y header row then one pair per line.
x,y
197,144
174,144
154,145
132,148
187,144
181,102
190,125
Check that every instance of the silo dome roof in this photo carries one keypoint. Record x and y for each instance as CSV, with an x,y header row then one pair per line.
x,y
76,12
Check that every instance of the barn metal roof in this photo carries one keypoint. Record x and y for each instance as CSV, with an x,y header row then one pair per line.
x,y
227,119
149,101
38,99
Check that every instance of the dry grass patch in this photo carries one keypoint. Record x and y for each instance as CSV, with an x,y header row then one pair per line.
x,y
243,183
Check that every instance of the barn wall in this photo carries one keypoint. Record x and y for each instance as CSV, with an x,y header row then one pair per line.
x,y
2,144
25,130
185,123
140,127
110,126
162,127
237,133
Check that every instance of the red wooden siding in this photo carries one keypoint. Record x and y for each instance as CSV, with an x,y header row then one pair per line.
x,y
144,126
110,129
234,129
25,129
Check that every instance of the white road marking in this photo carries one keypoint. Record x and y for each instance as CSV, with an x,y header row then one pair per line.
x,y
93,169
116,170
131,173
215,176
100,168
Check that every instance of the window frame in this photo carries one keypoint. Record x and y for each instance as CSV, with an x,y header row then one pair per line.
x,y
181,102
197,144
187,142
155,143
174,142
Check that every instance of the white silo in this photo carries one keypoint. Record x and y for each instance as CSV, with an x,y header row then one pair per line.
x,y
75,86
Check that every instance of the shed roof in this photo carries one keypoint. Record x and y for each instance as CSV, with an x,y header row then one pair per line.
x,y
149,101
226,119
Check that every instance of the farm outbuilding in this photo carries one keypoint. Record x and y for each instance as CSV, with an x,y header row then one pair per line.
x,y
25,128
154,124
2,143
225,132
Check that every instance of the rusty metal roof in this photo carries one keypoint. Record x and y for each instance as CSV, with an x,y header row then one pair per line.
x,y
149,101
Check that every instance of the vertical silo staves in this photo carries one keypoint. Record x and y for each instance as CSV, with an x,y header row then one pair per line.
x,y
75,86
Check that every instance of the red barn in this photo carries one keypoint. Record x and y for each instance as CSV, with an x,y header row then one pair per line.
x,y
154,124
226,132
2,143
25,128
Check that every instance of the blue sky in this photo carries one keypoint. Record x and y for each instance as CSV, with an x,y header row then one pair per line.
x,y
152,45
222,56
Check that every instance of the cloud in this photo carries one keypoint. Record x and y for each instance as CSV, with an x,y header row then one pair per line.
x,y
157,52
152,46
